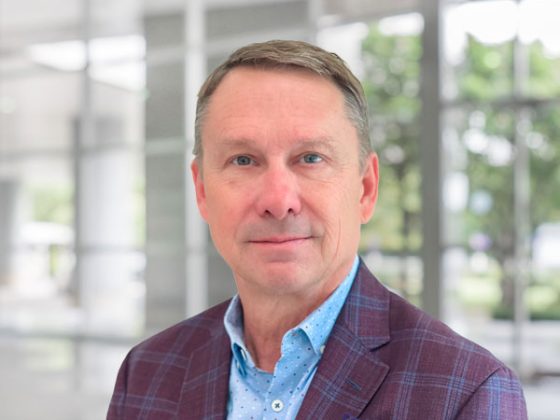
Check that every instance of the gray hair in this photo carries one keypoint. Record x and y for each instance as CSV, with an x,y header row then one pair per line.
x,y
292,54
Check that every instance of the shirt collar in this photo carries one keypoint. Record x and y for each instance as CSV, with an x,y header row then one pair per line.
x,y
233,322
319,323
316,327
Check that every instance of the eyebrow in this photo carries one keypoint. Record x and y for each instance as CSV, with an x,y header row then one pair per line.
x,y
324,142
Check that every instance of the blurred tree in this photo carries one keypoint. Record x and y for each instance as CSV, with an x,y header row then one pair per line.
x,y
51,204
392,70
484,80
483,77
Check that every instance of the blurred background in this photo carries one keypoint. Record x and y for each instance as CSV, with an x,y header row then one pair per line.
x,y
100,240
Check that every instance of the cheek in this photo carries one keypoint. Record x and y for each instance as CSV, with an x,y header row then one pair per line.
x,y
223,233
335,205
350,203
226,210
339,215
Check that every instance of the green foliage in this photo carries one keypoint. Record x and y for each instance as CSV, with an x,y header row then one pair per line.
x,y
544,73
486,72
391,85
52,204
545,171
483,78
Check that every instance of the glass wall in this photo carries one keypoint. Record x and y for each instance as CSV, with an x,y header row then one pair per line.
x,y
71,132
71,202
501,176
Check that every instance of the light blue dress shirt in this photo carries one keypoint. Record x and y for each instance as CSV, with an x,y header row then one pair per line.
x,y
256,394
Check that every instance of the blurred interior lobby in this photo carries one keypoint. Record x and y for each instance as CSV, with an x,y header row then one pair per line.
x,y
101,243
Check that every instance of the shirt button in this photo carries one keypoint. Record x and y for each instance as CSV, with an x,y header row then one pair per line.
x,y
277,406
322,349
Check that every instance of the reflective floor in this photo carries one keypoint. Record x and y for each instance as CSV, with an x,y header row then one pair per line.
x,y
60,379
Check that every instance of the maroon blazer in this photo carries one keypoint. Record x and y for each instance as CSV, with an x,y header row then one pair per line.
x,y
385,359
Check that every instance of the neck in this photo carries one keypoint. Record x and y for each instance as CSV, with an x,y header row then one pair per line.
x,y
268,313
266,320
265,324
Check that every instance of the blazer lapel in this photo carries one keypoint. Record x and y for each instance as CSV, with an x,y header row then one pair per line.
x,y
349,373
205,390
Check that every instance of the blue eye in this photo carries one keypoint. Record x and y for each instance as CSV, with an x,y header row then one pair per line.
x,y
242,160
312,158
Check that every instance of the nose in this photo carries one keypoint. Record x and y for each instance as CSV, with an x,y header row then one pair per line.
x,y
278,194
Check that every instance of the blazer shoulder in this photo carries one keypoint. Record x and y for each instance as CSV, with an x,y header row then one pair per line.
x,y
187,335
151,379
431,371
437,344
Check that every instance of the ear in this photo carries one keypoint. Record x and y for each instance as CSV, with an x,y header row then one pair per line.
x,y
370,184
196,171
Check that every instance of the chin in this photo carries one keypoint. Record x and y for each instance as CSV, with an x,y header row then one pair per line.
x,y
283,281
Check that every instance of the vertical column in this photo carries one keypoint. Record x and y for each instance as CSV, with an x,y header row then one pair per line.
x,y
315,9
430,159
103,231
9,197
84,135
165,171
521,207
196,233
176,236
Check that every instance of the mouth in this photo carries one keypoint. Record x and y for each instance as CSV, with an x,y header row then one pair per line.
x,y
280,240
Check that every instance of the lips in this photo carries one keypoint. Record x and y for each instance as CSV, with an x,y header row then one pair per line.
x,y
279,240
280,248
277,233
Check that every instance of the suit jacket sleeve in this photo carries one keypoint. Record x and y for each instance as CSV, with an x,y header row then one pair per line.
x,y
499,397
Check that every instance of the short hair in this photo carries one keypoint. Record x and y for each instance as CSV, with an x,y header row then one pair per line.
x,y
298,55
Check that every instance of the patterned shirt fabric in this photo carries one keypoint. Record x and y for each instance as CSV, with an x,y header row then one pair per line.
x,y
256,394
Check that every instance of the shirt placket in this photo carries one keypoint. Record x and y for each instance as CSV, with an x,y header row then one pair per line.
x,y
291,368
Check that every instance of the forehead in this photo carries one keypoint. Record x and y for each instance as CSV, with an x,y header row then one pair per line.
x,y
271,79
273,93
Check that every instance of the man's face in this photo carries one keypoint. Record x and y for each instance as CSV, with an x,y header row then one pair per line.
x,y
279,182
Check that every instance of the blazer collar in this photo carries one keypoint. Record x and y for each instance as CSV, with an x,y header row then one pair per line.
x,y
349,373
366,311
205,388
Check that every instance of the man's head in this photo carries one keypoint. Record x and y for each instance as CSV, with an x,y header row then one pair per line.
x,y
297,55
281,175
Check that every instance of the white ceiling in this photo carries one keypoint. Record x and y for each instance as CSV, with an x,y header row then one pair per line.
x,y
27,21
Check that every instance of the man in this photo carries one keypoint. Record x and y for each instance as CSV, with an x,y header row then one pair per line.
x,y
284,176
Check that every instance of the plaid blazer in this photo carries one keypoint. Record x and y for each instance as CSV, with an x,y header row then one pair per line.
x,y
385,359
